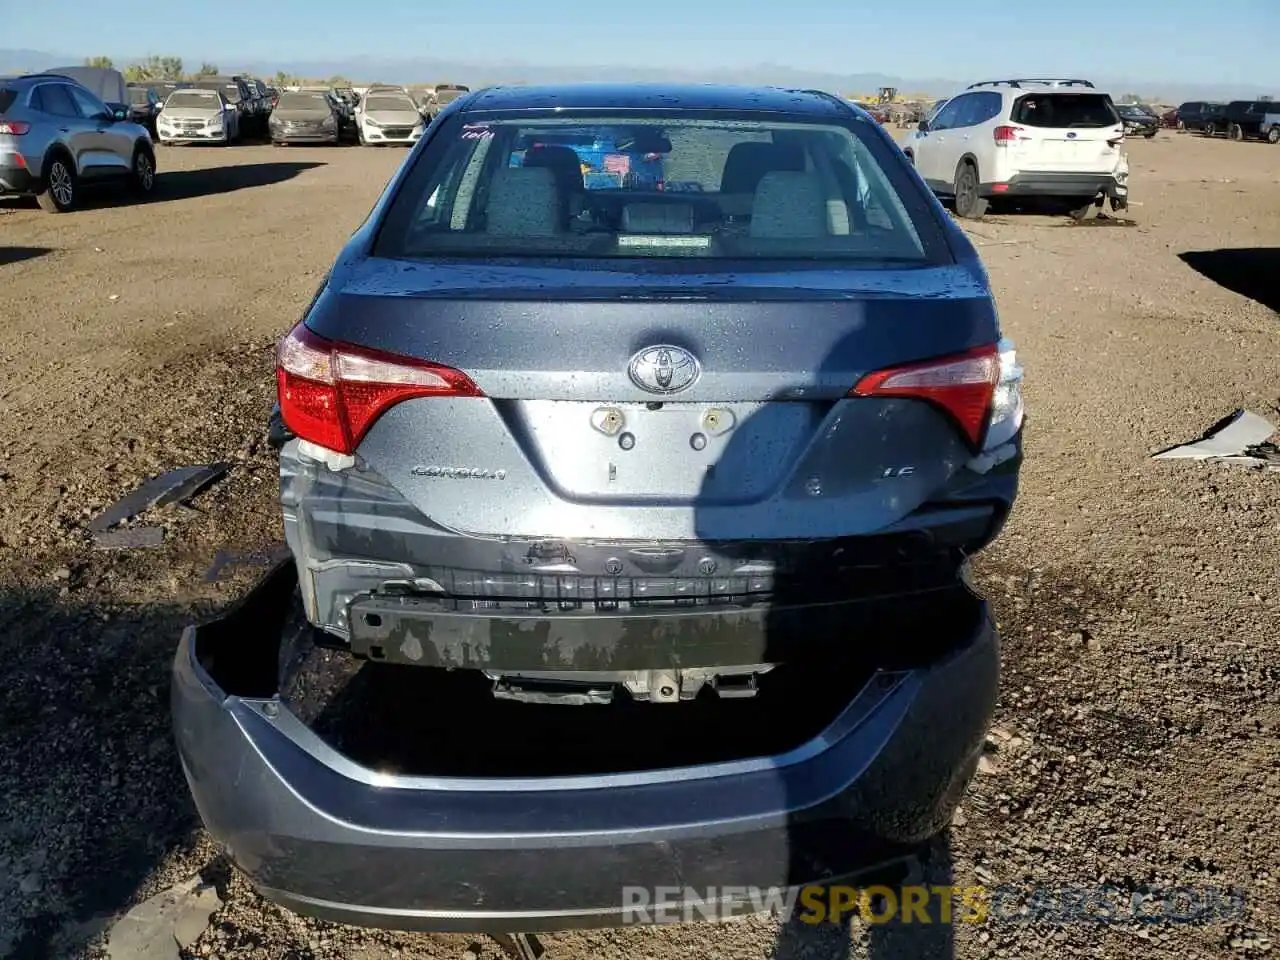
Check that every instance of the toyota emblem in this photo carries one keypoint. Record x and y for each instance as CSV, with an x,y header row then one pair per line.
x,y
664,369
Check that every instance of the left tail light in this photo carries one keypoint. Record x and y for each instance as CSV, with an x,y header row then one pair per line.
x,y
980,390
1005,135
331,393
14,127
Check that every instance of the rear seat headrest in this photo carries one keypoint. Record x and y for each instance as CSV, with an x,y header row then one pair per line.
x,y
789,206
524,202
748,162
562,161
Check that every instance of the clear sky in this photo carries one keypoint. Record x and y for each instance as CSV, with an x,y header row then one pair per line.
x,y
1183,41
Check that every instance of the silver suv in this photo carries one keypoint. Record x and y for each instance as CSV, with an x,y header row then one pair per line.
x,y
57,136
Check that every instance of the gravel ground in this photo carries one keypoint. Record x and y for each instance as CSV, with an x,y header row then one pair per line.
x,y
1136,740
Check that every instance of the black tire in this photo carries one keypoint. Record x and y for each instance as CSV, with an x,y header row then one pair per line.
x,y
143,177
969,203
1235,131
1150,134
1273,135
1210,129
1182,125
60,187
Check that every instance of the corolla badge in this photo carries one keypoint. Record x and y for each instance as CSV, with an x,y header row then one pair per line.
x,y
664,369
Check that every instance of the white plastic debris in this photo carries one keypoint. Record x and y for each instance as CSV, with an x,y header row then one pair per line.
x,y
1241,438
162,927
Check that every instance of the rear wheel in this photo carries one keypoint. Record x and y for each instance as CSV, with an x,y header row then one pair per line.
x,y
969,203
1210,129
1235,131
1273,135
1149,134
60,188
144,172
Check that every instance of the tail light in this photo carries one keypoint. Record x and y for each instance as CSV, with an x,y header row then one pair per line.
x,y
15,127
331,393
965,385
1005,135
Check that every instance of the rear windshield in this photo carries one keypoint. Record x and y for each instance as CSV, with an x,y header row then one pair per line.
x,y
390,103
7,97
229,90
449,94
191,99
137,96
700,186
1064,110
302,101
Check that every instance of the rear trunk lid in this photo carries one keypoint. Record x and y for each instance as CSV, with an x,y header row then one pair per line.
x,y
1067,132
574,437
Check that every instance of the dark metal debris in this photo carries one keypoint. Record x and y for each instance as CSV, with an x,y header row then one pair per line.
x,y
129,538
258,558
172,487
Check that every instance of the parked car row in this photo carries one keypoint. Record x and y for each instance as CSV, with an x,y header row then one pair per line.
x,y
216,109
1237,120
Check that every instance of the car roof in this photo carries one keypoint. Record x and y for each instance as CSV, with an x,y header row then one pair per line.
x,y
664,96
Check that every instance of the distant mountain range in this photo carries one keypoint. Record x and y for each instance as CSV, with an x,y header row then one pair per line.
x,y
431,70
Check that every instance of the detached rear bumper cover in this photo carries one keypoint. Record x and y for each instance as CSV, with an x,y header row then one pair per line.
x,y
326,837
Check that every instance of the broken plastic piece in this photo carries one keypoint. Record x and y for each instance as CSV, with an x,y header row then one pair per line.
x,y
278,432
1240,438
128,539
519,946
332,459
985,462
172,487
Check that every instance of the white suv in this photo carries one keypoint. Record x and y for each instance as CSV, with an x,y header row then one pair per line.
x,y
1057,139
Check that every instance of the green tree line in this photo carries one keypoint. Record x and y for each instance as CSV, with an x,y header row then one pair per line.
x,y
154,68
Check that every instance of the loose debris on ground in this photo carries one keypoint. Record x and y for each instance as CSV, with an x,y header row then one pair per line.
x,y
1136,740
1242,438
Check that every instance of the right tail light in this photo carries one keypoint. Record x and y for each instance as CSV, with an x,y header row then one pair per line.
x,y
980,389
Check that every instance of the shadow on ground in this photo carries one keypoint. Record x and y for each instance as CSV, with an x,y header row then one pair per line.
x,y
93,794
1248,271
10,255
186,184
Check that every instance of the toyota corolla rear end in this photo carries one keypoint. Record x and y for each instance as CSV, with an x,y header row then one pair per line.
x,y
634,522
